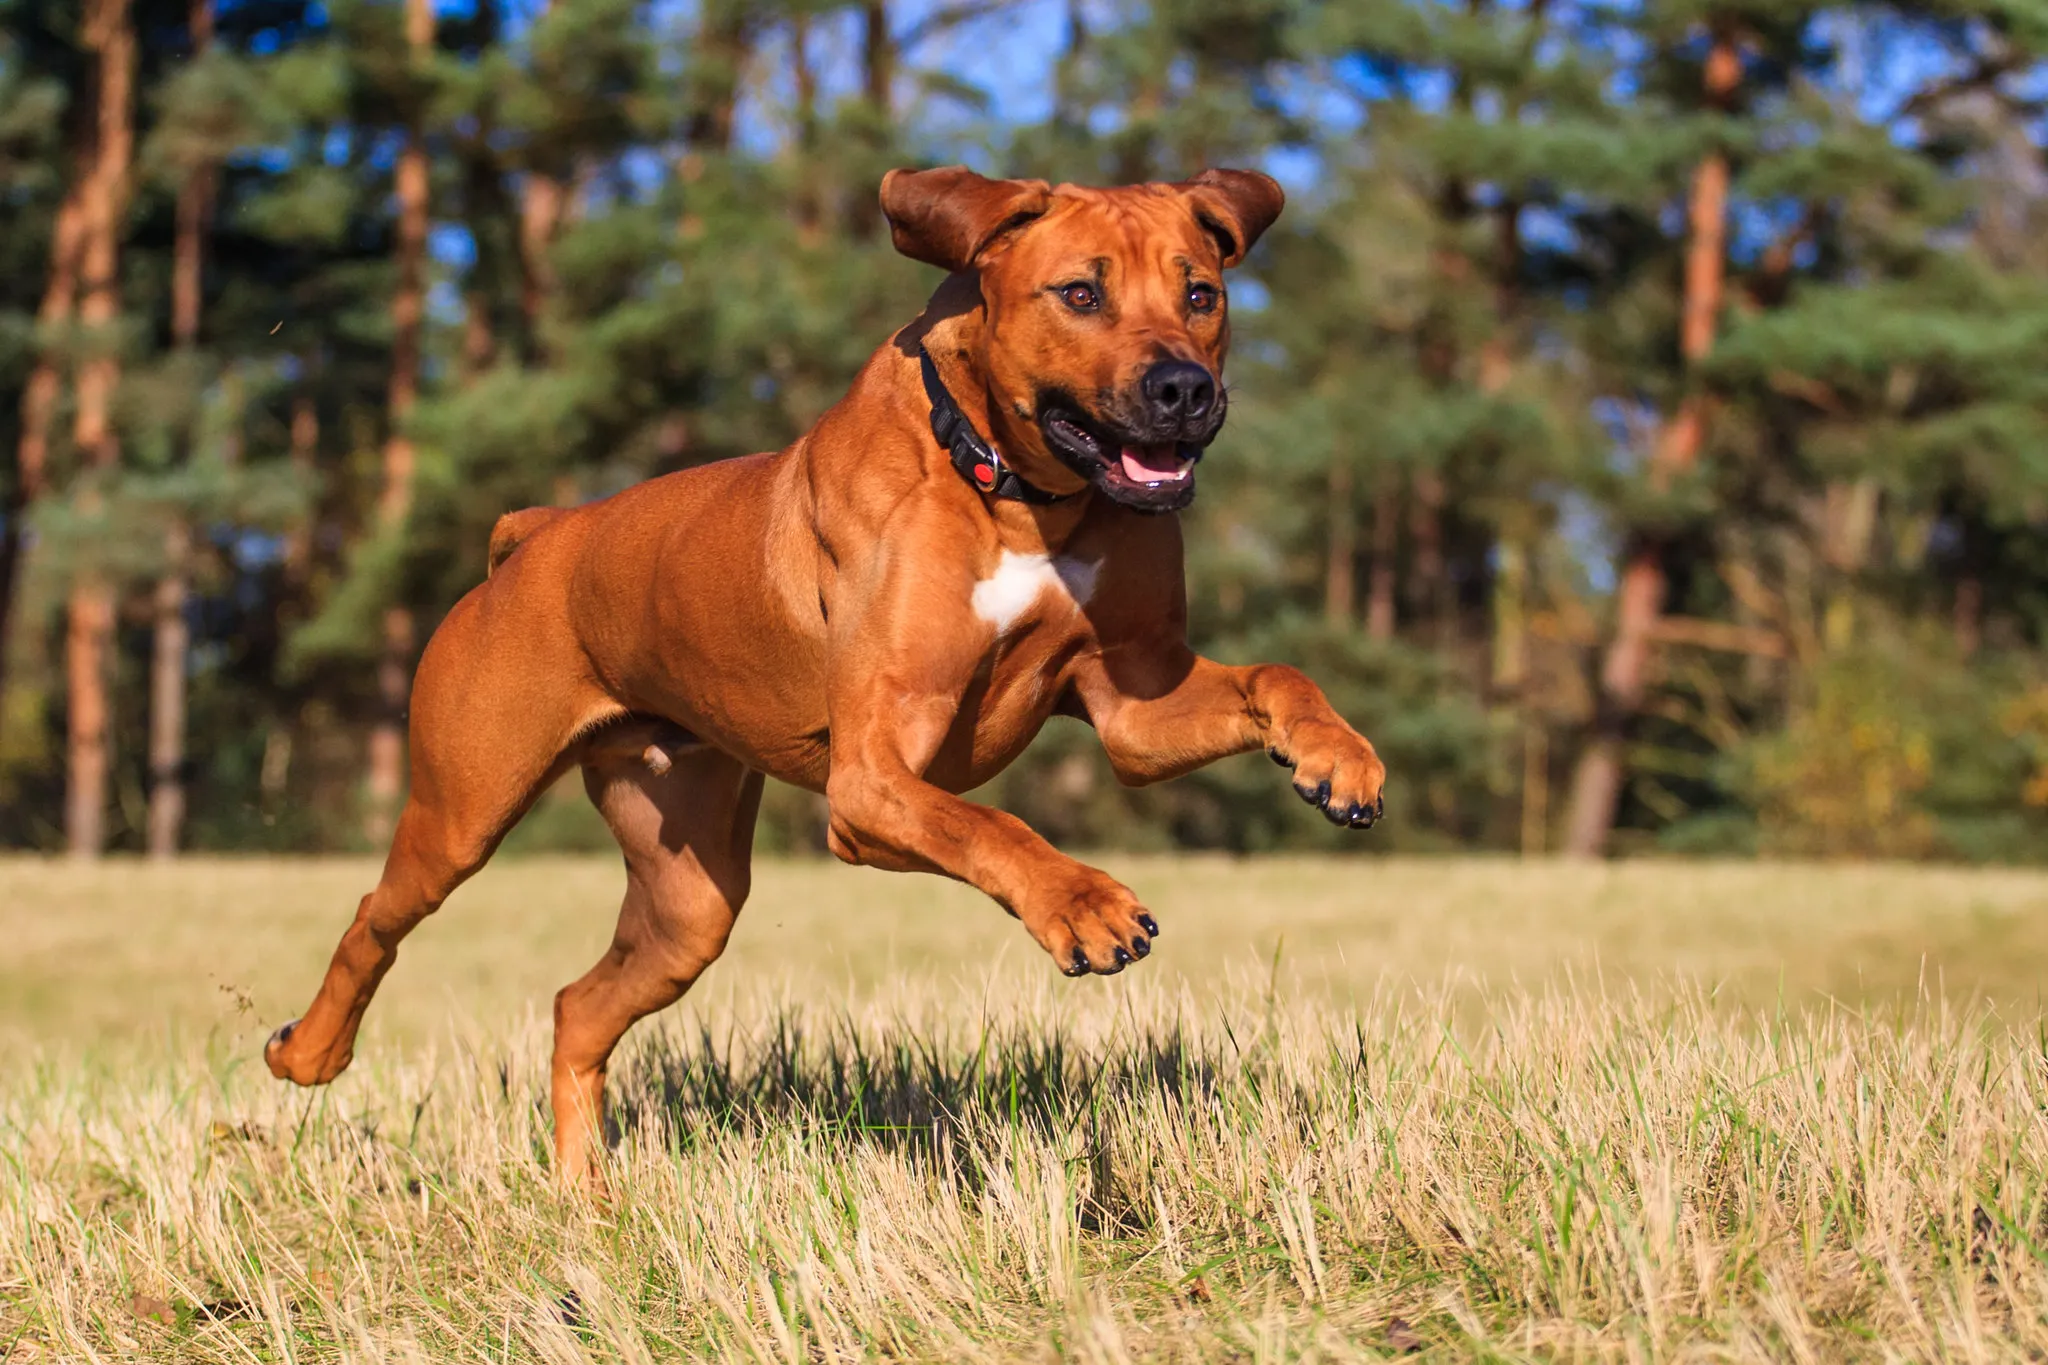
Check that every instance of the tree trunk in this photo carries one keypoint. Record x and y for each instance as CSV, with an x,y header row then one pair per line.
x,y
1427,587
1535,786
541,197
1067,94
386,780
1496,356
877,88
1848,521
1386,534
171,643
1967,618
88,637
1510,620
38,405
304,459
1514,703
807,205
1515,710
479,340
1340,577
878,60
806,77
482,193
90,628
1133,155
724,42
1639,597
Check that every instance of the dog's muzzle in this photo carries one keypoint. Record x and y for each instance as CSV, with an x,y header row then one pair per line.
x,y
1143,457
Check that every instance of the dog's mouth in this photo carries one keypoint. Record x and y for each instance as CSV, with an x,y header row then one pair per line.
x,y
1150,476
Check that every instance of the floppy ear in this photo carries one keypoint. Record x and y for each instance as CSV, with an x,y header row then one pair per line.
x,y
949,216
1236,206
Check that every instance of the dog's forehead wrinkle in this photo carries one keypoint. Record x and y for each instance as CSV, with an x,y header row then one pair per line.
x,y
1117,230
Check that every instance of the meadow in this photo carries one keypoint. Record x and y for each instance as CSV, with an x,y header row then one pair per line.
x,y
1350,1110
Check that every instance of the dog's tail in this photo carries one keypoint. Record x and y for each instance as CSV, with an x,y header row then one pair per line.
x,y
513,529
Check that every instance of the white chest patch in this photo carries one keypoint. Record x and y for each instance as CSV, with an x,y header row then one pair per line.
x,y
1009,592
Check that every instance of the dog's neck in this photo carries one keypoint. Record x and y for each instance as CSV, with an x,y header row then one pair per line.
x,y
952,334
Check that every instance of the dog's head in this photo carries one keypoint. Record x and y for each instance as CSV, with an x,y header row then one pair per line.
x,y
1105,315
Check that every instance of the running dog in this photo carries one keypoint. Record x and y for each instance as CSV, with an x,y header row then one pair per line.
x,y
980,535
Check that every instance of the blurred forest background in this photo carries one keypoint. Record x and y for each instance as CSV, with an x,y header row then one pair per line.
x,y
1640,422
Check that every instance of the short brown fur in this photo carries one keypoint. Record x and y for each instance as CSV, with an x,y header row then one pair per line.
x,y
809,614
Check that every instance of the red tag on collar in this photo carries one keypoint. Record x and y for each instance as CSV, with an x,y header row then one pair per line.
x,y
984,476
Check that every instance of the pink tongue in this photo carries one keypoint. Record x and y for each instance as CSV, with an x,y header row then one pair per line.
x,y
1147,463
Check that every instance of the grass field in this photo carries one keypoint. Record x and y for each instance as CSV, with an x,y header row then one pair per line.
x,y
1349,1110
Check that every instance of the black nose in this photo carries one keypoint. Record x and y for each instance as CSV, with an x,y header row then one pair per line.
x,y
1179,391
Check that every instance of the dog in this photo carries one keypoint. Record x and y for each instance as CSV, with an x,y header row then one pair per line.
x,y
980,535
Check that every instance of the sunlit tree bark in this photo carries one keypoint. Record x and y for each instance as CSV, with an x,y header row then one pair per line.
x,y
1639,595
386,780
172,636
110,35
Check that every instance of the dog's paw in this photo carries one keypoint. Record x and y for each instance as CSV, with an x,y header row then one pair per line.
x,y
290,1059
1336,771
1091,924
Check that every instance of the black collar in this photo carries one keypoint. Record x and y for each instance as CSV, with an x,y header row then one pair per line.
x,y
977,461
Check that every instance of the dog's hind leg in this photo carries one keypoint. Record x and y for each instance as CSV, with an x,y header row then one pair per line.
x,y
492,715
686,825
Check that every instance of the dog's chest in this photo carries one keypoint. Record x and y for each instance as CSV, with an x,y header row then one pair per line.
x,y
1027,587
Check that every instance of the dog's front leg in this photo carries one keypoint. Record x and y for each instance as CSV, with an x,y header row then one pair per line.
x,y
884,814
891,708
1163,710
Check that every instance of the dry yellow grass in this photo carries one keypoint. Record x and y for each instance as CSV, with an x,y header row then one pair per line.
x,y
104,955
1479,1110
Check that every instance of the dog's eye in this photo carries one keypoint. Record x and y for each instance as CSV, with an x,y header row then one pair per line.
x,y
1082,298
1202,298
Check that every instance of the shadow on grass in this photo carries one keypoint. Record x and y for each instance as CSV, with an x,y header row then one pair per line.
x,y
944,1103
900,1089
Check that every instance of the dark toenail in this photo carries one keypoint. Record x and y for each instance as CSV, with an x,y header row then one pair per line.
x,y
1307,794
284,1035
1323,795
1141,946
1080,967
1150,925
1123,955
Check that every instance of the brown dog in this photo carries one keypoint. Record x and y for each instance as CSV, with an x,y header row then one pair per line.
x,y
873,614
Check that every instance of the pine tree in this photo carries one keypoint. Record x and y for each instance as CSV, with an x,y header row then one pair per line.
x,y
38,103
171,631
386,776
109,33
1639,597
